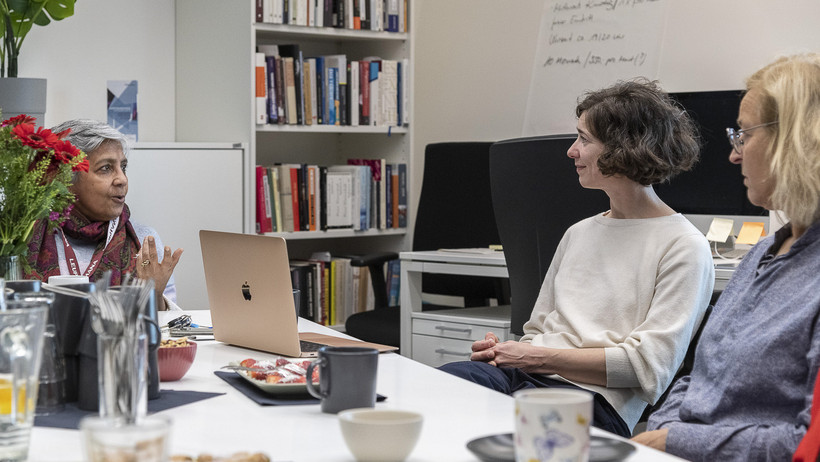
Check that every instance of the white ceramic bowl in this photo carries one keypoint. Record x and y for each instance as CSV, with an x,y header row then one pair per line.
x,y
380,435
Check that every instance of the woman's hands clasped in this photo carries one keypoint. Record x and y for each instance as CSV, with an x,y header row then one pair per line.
x,y
149,266
506,354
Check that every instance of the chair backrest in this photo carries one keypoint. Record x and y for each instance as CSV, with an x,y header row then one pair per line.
x,y
536,197
455,211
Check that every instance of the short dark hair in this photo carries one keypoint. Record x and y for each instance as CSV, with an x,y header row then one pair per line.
x,y
647,137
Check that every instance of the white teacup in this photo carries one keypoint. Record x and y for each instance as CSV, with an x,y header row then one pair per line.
x,y
380,435
552,424
64,280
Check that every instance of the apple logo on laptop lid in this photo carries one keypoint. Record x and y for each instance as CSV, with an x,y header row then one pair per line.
x,y
246,291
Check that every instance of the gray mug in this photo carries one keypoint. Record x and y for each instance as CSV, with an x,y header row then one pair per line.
x,y
347,378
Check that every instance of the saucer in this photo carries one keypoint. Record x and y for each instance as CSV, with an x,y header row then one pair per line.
x,y
500,448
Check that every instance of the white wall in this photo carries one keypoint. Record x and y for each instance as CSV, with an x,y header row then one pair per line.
x,y
473,60
107,40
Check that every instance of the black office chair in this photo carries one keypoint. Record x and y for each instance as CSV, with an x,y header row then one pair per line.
x,y
536,197
455,211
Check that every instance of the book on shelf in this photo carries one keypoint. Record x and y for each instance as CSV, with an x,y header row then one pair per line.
x,y
332,89
286,197
271,103
263,204
360,193
311,84
321,92
302,279
354,106
297,186
294,51
364,92
276,203
376,15
339,199
388,196
290,91
392,16
364,12
261,93
259,10
404,95
373,82
357,14
363,194
307,91
339,64
402,169
393,281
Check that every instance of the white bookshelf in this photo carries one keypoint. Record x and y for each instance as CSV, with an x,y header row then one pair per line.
x,y
215,45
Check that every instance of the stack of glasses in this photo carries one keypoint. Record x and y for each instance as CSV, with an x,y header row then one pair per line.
x,y
118,317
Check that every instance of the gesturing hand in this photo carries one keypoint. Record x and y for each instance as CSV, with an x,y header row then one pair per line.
x,y
149,266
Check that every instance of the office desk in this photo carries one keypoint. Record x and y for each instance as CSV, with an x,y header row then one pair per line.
x,y
455,412
413,264
460,325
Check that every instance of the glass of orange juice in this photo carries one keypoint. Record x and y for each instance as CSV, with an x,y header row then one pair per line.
x,y
21,340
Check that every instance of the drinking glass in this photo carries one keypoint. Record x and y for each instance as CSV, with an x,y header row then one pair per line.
x,y
51,395
22,326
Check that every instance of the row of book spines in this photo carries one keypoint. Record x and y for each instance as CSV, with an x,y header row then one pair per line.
x,y
331,291
381,204
329,90
375,15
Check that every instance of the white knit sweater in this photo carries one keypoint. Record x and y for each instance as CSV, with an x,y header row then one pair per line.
x,y
637,288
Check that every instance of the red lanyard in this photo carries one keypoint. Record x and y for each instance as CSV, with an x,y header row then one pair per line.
x,y
71,257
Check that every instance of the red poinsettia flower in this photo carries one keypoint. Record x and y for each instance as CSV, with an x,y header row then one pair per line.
x,y
39,139
17,120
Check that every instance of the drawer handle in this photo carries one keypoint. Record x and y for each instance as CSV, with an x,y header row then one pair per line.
x,y
443,351
455,329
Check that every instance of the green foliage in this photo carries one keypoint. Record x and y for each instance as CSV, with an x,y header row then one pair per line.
x,y
18,17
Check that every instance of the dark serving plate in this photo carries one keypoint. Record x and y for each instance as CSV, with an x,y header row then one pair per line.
x,y
500,448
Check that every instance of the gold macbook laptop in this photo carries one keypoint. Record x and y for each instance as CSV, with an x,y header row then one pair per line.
x,y
251,296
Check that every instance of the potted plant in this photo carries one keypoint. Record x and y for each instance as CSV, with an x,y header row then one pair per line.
x,y
18,17
36,168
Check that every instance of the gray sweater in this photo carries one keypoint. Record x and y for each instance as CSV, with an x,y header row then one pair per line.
x,y
749,395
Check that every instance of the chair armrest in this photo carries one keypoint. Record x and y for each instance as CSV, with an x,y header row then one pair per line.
x,y
373,258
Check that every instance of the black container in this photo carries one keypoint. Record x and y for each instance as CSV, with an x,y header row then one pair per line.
x,y
88,384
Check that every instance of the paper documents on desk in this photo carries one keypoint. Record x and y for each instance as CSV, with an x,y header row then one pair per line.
x,y
474,250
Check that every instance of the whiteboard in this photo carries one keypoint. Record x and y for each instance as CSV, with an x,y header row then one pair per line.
x,y
703,45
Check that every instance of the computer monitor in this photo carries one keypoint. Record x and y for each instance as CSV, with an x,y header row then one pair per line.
x,y
715,185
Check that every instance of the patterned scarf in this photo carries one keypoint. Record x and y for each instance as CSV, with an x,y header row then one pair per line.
x,y
117,257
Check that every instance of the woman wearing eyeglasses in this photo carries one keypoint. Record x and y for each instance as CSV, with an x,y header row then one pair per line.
x,y
750,392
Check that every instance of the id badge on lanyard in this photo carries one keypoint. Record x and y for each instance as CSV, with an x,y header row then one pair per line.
x,y
71,256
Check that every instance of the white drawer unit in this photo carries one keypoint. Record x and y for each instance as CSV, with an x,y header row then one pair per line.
x,y
445,336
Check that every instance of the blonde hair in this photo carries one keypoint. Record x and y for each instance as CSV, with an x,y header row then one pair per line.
x,y
789,92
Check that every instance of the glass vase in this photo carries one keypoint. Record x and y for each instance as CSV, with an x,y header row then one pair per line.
x,y
11,267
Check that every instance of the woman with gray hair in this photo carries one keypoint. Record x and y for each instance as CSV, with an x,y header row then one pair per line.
x,y
98,234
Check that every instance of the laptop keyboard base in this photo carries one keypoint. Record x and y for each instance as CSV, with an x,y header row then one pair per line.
x,y
309,347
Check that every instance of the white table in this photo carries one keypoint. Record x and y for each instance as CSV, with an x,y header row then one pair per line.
x,y
455,412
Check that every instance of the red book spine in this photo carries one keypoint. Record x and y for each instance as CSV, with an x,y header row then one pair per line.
x,y
294,185
263,222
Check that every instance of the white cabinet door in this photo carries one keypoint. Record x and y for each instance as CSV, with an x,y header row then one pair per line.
x,y
180,188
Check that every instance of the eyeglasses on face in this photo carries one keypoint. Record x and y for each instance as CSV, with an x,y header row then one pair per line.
x,y
735,136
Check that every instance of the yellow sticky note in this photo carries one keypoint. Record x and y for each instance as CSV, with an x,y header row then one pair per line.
x,y
750,233
720,229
